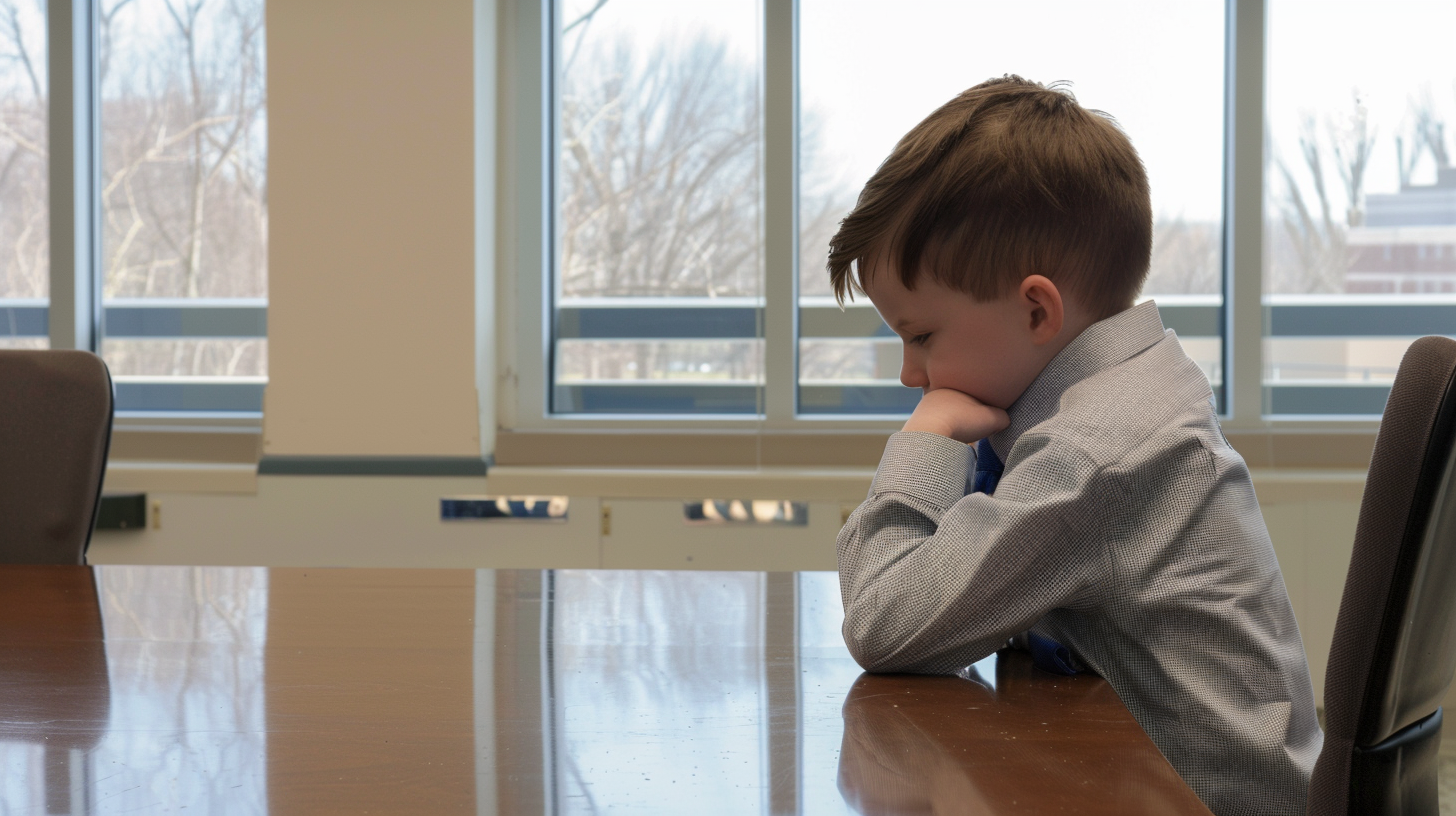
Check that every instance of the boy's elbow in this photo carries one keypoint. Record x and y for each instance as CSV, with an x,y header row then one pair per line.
x,y
868,644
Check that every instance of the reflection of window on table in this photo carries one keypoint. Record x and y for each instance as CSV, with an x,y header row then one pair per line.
x,y
658,675
1360,200
827,672
187,707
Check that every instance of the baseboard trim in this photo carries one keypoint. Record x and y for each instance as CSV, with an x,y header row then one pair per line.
x,y
371,466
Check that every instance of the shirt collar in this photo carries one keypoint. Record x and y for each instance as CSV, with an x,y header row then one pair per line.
x,y
1100,346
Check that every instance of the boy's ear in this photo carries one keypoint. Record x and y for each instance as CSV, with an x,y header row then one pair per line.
x,y
1045,311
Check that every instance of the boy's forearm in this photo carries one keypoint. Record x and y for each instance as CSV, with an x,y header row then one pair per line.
x,y
901,613
933,580
919,479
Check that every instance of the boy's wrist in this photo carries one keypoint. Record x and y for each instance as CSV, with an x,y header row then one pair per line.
x,y
928,425
929,467
956,416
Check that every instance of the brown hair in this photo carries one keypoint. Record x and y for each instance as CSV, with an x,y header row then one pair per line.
x,y
1009,179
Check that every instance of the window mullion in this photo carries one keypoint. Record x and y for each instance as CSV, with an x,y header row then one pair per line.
x,y
1244,216
780,209
525,203
75,175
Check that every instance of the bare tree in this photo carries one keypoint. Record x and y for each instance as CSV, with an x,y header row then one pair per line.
x,y
1353,140
183,136
1187,257
660,186
1430,127
1406,158
659,191
1309,251
24,159
184,165
826,195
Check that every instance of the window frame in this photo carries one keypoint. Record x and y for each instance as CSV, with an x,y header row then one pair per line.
x,y
520,345
76,311
526,262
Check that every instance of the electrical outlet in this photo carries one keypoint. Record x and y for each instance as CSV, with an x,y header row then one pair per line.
x,y
122,511
156,514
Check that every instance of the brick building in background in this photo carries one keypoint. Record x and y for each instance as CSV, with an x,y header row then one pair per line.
x,y
1407,244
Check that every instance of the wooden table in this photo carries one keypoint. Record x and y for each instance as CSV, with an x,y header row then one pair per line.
x,y
234,690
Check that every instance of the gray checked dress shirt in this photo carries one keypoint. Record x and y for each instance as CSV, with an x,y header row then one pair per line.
x,y
1125,528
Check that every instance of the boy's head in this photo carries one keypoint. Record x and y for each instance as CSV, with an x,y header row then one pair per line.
x,y
998,228
1007,180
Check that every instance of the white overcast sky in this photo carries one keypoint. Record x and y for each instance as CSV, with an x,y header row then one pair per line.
x,y
870,69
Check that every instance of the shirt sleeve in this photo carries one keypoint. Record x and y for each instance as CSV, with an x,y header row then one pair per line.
x,y
933,579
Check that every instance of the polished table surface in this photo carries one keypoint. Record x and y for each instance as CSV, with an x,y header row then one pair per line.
x,y
248,690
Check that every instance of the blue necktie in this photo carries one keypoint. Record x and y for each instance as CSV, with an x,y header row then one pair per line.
x,y
988,469
1046,654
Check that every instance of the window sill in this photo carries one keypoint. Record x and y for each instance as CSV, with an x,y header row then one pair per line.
x,y
124,476
1288,463
1303,446
204,439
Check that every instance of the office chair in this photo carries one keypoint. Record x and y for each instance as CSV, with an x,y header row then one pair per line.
x,y
1395,641
55,431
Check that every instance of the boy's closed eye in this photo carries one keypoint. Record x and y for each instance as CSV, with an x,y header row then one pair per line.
x,y
919,339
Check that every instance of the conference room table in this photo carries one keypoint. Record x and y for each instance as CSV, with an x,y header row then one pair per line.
x,y
220,690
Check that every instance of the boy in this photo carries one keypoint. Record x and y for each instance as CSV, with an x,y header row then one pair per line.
x,y
1005,240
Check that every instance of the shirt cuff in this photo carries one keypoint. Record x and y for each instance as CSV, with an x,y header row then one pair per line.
x,y
926,466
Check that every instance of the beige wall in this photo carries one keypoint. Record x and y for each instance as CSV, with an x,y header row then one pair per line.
x,y
371,320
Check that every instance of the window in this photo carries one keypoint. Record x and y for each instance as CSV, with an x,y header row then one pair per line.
x,y
1360,200
1337,235
854,108
659,259
24,188
670,151
167,231
183,203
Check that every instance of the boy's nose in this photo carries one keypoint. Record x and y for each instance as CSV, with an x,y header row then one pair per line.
x,y
912,373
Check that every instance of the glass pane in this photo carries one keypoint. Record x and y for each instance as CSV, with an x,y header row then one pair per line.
x,y
659,270
184,200
1360,198
24,185
159,358
629,655
1167,93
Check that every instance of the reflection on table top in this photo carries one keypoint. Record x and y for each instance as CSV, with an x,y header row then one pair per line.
x,y
231,690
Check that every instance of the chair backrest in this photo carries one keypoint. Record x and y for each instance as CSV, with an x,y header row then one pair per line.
x,y
1394,648
55,431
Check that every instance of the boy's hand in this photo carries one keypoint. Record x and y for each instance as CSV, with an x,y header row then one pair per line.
x,y
956,415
